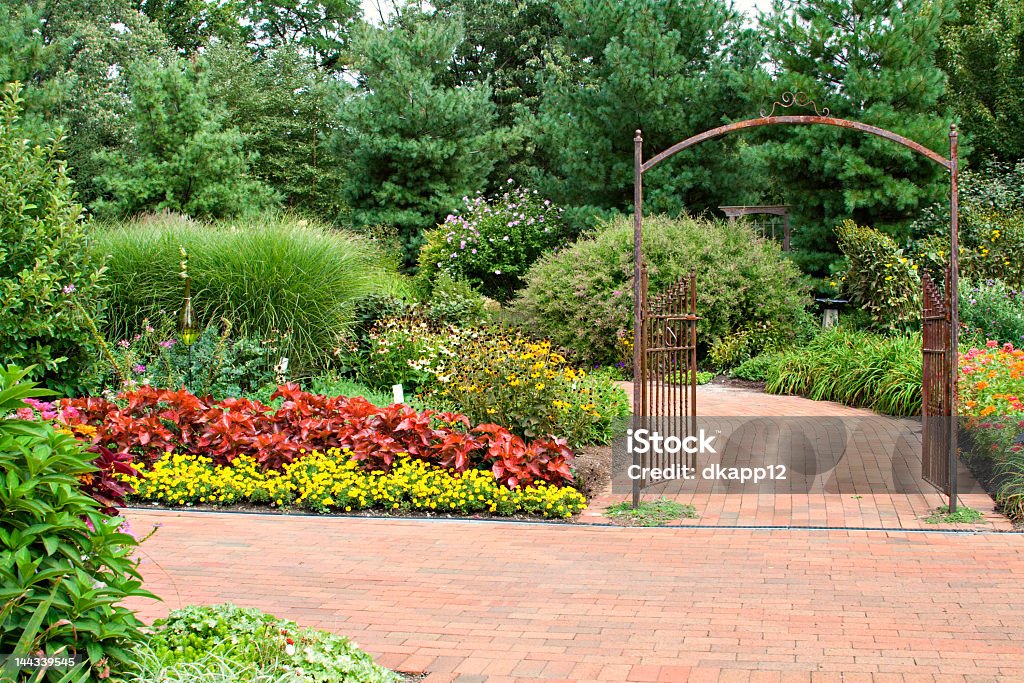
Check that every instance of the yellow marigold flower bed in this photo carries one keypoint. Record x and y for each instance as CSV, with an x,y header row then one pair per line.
x,y
332,481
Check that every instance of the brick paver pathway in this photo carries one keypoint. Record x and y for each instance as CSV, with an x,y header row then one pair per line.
x,y
492,601
859,492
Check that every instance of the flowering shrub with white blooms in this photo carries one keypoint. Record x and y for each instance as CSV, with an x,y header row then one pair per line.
x,y
492,241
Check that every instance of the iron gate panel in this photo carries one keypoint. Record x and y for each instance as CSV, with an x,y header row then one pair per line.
x,y
938,368
668,370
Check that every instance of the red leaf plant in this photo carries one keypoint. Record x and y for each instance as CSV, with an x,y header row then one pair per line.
x,y
148,422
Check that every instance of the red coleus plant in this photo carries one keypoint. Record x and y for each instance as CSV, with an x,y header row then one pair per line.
x,y
146,423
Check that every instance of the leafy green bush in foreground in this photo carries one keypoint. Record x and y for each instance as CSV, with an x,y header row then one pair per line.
x,y
64,565
222,643
45,277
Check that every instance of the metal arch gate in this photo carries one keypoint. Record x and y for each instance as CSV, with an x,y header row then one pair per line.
x,y
942,318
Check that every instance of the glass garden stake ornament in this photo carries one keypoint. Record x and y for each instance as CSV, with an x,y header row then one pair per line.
x,y
186,323
186,326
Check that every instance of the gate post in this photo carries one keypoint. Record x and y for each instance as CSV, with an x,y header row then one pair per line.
x,y
953,289
638,296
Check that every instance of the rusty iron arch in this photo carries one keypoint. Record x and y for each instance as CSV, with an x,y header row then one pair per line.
x,y
943,383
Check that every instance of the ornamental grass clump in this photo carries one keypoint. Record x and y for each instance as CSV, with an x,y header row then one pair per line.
x,y
229,644
853,367
270,276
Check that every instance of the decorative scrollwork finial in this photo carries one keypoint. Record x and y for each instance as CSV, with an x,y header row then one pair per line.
x,y
795,99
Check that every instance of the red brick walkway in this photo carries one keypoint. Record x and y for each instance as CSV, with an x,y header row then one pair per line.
x,y
860,491
495,602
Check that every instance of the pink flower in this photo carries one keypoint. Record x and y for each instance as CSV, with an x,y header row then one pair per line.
x,y
124,343
991,343
168,343
24,414
68,289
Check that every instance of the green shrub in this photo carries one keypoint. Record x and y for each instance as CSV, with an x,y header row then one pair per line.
x,y
493,243
879,278
991,309
454,301
582,297
754,369
222,643
991,227
270,276
64,565
46,281
853,367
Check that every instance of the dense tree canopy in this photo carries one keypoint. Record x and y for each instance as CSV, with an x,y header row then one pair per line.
x,y
414,146
393,123
669,67
181,156
983,54
872,61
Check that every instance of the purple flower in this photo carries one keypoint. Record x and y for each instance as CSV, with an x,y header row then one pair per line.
x,y
68,289
139,368
168,343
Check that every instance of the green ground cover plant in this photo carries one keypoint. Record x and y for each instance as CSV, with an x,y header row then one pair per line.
x,y
651,512
582,297
225,643
963,515
754,369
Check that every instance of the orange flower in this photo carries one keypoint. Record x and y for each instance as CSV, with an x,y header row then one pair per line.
x,y
982,385
988,410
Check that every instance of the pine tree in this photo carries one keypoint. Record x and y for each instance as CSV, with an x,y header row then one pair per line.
x,y
983,53
73,57
872,61
672,68
505,46
414,147
282,104
181,156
